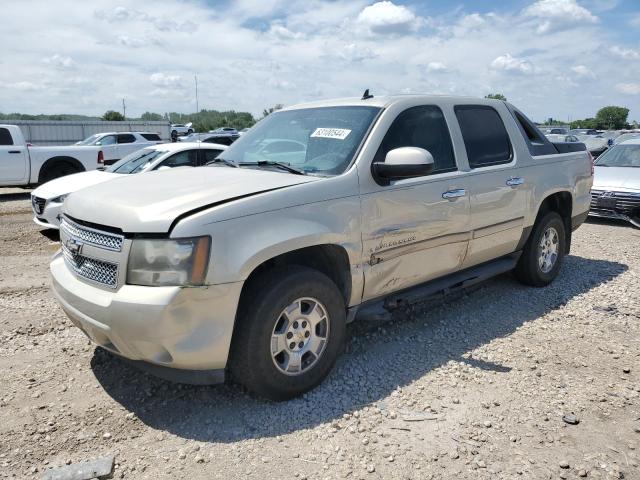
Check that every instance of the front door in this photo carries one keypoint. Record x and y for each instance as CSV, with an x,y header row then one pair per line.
x,y
415,229
13,160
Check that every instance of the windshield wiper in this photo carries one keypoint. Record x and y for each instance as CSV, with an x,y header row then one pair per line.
x,y
281,165
222,160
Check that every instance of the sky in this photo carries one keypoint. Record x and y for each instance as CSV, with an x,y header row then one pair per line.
x,y
552,58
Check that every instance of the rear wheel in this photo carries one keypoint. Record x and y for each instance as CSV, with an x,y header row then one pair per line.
x,y
542,256
56,171
290,331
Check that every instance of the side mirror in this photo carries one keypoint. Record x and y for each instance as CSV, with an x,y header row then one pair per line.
x,y
98,143
404,162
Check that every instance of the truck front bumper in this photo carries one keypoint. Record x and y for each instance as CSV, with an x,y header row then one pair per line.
x,y
172,329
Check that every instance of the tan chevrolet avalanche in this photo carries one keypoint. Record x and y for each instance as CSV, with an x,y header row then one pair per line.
x,y
250,268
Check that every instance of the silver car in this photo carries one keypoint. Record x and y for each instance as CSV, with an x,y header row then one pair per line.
x,y
616,185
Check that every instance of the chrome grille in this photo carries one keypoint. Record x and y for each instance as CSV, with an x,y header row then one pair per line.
x,y
620,202
109,241
38,204
105,273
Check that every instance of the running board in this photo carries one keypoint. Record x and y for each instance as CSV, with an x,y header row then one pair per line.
x,y
380,309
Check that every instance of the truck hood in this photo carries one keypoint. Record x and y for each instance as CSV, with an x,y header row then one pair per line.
x,y
150,203
616,178
72,183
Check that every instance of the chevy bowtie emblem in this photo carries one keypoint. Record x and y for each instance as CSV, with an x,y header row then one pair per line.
x,y
74,246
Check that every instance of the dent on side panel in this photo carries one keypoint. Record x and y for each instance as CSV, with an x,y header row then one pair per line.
x,y
428,237
242,244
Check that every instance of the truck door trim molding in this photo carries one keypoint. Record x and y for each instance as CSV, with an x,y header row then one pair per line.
x,y
498,227
397,251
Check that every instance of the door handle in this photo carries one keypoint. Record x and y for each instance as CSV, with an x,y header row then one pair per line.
x,y
515,181
451,195
14,151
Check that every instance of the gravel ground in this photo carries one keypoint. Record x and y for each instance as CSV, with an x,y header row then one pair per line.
x,y
474,387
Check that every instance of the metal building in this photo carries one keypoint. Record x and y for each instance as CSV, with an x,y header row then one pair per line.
x,y
53,132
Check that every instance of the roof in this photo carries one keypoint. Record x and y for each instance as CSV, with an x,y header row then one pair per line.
x,y
631,141
179,146
386,100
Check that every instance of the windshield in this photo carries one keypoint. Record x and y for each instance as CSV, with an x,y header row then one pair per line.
x,y
90,140
136,162
319,140
621,156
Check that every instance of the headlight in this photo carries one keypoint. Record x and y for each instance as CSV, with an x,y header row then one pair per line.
x,y
59,199
165,262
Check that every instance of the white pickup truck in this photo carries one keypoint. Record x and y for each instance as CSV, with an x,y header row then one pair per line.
x,y
22,164
253,266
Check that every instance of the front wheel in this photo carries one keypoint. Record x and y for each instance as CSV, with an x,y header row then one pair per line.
x,y
542,256
290,331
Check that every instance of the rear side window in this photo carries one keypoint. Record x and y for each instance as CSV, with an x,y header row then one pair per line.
x,y
484,135
423,126
126,138
186,158
153,137
5,137
209,155
536,142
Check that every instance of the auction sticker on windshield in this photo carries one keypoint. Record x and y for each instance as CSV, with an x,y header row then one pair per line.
x,y
337,133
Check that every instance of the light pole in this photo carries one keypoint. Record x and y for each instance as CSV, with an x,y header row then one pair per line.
x,y
196,79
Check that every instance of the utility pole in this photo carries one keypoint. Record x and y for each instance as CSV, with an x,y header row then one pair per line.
x,y
124,110
196,79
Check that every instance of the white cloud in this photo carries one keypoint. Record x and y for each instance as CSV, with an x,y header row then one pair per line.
x,y
627,53
582,71
354,53
283,33
635,20
387,17
512,64
436,67
556,14
163,80
24,86
59,61
628,88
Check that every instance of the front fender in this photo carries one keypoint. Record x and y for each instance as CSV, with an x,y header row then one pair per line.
x,y
239,246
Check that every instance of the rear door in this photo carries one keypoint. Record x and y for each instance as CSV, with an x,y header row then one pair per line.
x,y
416,229
13,160
127,145
497,192
109,146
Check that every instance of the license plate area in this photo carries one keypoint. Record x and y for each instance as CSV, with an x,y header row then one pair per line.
x,y
607,202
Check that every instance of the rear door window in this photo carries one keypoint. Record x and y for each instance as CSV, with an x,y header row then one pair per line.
x,y
152,137
209,154
126,138
425,127
186,158
485,136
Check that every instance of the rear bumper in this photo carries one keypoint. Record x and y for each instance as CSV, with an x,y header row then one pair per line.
x,y
178,329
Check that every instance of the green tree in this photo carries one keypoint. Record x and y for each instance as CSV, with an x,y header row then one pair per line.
x,y
270,110
113,116
586,123
496,96
151,117
612,117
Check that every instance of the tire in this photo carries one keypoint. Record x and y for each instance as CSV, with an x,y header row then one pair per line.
x,y
531,270
261,317
56,171
189,132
